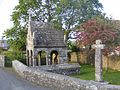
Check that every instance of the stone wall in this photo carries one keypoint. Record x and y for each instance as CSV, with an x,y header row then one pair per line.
x,y
57,81
2,60
111,62
73,57
64,69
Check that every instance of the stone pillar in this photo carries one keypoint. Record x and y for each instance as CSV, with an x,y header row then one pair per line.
x,y
34,61
2,60
29,59
98,60
34,58
47,59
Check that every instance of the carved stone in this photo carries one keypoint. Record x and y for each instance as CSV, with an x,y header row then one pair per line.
x,y
43,39
98,60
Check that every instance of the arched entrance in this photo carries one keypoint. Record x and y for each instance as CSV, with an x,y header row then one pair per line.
x,y
54,57
41,58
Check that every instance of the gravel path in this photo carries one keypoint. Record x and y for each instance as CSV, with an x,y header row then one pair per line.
x,y
10,81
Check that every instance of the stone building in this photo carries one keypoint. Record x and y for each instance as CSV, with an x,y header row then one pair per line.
x,y
4,44
45,45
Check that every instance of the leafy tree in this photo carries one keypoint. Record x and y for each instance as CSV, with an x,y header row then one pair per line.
x,y
15,55
75,12
65,14
98,28
72,46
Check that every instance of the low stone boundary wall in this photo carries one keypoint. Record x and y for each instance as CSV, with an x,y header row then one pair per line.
x,y
57,81
64,69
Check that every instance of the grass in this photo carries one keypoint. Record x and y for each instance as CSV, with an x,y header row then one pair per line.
x,y
87,72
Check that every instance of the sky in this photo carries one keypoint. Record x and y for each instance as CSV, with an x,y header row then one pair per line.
x,y
6,8
111,8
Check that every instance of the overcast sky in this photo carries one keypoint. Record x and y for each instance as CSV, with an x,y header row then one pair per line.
x,y
111,7
6,8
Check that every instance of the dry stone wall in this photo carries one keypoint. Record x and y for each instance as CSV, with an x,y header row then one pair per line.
x,y
57,81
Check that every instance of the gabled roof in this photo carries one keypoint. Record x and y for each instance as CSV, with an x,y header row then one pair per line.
x,y
35,25
46,36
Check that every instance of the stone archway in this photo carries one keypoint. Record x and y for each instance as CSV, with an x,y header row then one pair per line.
x,y
41,58
54,57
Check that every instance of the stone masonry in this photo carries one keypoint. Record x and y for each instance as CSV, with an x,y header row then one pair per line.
x,y
98,60
2,60
45,45
57,81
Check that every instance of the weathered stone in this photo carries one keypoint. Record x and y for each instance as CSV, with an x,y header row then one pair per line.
x,y
2,60
43,37
57,81
65,69
98,60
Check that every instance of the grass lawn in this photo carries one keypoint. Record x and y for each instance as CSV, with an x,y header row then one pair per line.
x,y
87,72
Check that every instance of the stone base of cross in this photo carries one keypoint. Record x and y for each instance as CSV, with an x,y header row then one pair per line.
x,y
98,60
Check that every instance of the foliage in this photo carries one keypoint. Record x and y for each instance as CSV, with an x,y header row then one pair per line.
x,y
93,30
1,50
87,73
16,37
74,12
8,63
98,29
14,55
72,46
65,14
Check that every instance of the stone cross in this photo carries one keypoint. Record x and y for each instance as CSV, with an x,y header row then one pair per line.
x,y
98,60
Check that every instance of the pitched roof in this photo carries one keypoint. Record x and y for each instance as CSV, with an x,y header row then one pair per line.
x,y
46,36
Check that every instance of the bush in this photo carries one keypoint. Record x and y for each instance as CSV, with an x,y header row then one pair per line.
x,y
14,55
8,63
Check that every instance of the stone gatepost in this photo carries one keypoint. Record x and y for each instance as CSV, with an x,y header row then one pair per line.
x,y
2,60
98,60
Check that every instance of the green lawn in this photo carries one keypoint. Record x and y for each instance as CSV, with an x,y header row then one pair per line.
x,y
87,72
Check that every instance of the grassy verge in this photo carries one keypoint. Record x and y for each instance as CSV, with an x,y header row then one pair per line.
x,y
88,73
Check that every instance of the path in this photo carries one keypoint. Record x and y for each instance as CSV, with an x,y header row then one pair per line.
x,y
9,81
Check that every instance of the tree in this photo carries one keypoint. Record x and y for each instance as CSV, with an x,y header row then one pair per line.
x,y
95,29
65,14
98,29
74,12
40,12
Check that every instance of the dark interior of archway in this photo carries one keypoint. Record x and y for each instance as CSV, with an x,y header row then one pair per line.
x,y
41,57
28,57
31,54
